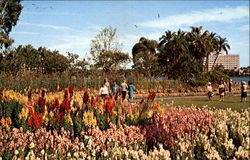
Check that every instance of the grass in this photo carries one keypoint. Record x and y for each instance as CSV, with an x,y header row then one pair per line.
x,y
232,102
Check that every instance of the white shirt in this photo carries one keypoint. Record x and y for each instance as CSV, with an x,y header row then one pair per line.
x,y
124,86
209,88
244,88
103,90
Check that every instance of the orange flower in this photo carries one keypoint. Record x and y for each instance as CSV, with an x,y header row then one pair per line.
x,y
8,120
109,106
7,127
2,121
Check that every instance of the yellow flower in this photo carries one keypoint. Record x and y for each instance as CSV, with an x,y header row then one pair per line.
x,y
69,119
149,114
51,114
89,119
24,113
119,110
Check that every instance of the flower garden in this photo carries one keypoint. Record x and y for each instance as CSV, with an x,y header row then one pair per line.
x,y
78,124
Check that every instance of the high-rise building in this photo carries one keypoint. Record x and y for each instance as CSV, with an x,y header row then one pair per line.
x,y
230,61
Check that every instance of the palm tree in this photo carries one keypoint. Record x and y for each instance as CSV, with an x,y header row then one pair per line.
x,y
221,45
201,44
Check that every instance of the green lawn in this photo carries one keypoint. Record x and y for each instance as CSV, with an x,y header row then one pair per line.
x,y
232,102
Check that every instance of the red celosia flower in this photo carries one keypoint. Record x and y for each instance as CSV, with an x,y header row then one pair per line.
x,y
109,106
93,101
142,100
54,105
85,97
41,103
43,93
51,106
66,94
37,120
65,106
29,94
31,112
71,92
59,117
56,102
107,98
29,123
98,98
153,95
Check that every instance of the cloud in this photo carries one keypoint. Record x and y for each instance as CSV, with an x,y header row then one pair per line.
x,y
46,26
25,33
212,15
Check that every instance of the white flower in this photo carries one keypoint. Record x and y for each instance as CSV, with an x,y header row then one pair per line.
x,y
81,145
105,154
16,152
76,154
42,152
69,155
32,145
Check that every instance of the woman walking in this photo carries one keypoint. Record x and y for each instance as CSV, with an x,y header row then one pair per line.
x,y
210,91
124,89
243,91
221,90
103,92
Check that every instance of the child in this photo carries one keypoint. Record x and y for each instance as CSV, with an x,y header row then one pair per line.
x,y
131,89
115,90
210,91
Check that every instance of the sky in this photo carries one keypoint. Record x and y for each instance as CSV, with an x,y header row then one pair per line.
x,y
69,26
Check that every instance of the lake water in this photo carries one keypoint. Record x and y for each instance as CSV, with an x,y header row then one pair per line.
x,y
239,79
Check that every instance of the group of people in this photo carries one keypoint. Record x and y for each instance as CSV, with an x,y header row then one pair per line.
x,y
222,90
116,90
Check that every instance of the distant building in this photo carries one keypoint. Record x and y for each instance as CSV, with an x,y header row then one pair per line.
x,y
230,61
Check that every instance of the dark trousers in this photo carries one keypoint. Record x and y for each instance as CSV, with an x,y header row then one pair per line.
x,y
123,95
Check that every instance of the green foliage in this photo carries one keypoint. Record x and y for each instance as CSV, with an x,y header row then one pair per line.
x,y
101,120
144,56
196,83
77,125
9,15
9,109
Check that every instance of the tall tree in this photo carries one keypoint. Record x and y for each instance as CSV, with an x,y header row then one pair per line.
x,y
144,56
106,50
221,45
9,14
173,46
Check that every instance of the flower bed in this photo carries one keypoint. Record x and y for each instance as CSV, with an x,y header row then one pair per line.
x,y
76,125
